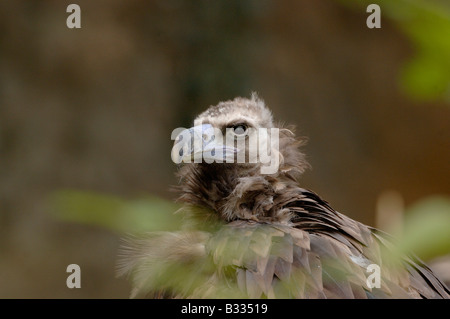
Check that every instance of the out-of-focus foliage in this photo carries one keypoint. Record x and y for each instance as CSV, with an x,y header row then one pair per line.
x,y
425,233
124,216
426,230
426,76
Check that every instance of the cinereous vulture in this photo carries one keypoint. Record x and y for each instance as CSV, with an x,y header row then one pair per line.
x,y
255,233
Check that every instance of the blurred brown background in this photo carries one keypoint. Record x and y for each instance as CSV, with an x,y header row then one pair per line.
x,y
93,109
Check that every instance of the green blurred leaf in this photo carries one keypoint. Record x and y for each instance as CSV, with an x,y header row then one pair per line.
x,y
114,213
427,228
426,76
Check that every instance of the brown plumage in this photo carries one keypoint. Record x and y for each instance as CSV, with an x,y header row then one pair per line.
x,y
250,235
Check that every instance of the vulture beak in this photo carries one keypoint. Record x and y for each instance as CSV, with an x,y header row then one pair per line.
x,y
202,143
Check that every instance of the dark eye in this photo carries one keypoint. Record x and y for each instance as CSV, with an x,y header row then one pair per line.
x,y
240,129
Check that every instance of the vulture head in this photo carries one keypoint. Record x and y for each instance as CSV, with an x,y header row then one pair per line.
x,y
275,239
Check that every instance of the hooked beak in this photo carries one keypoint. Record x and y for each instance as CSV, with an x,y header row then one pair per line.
x,y
202,142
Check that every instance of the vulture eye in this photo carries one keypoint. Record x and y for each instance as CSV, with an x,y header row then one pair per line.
x,y
239,129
